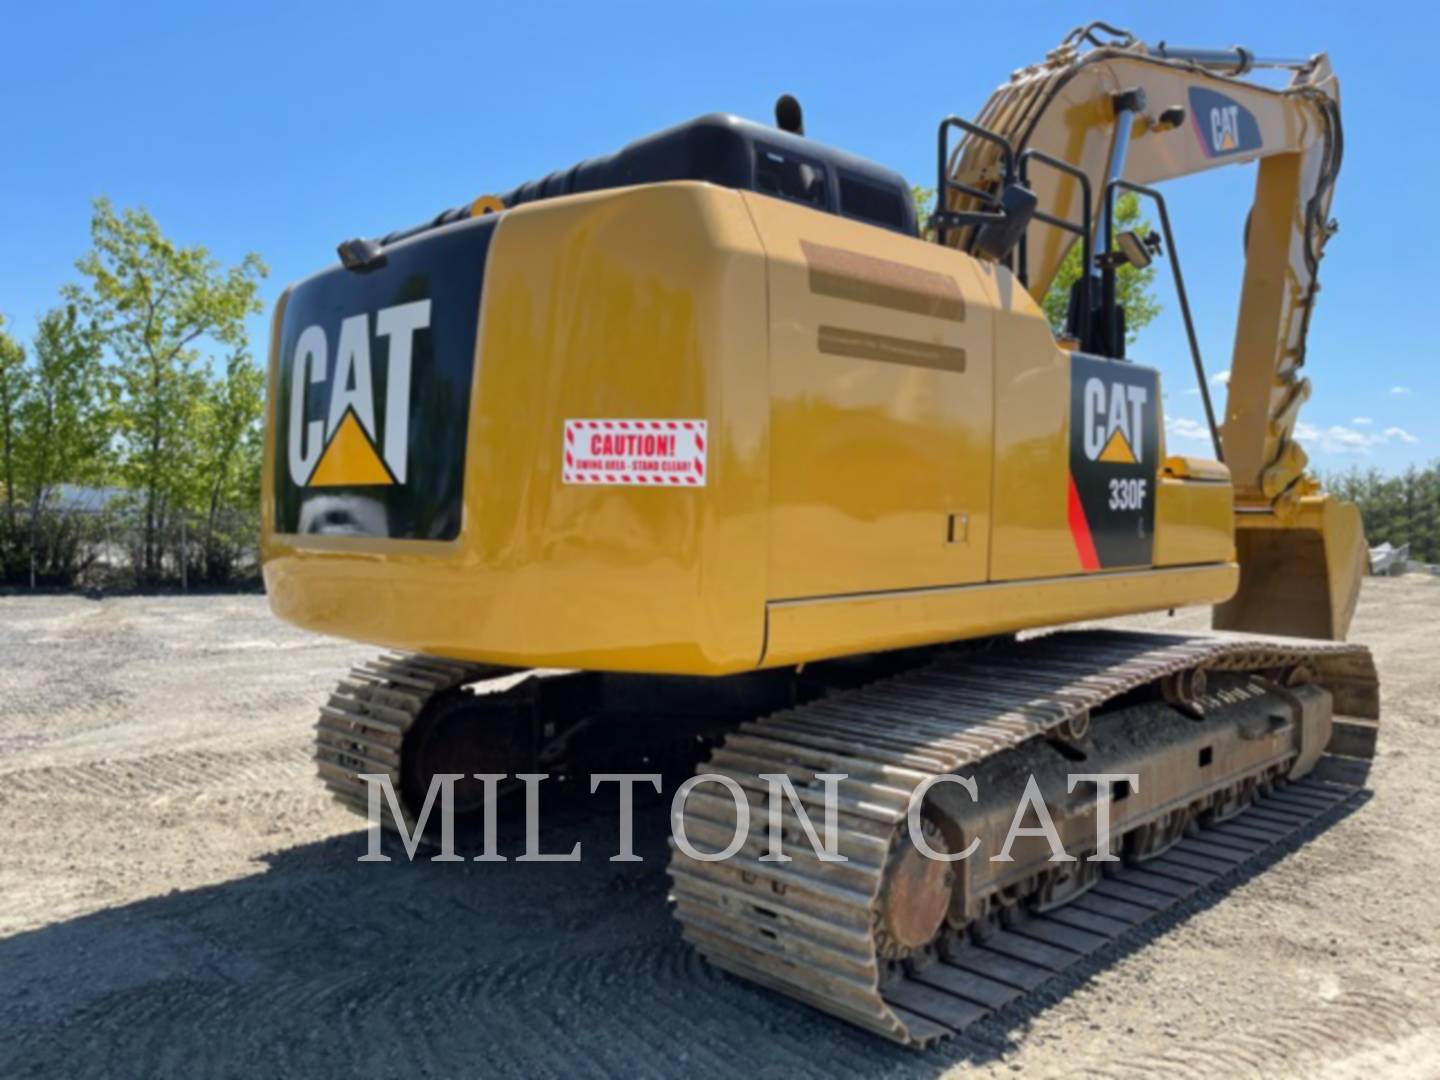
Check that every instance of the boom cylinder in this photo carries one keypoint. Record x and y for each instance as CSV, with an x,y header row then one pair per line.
x,y
1236,60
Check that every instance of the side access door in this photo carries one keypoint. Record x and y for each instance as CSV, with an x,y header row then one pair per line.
x,y
881,407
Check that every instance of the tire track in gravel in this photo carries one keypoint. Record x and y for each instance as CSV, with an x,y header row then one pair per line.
x,y
421,1021
1290,1038
352,954
301,961
165,774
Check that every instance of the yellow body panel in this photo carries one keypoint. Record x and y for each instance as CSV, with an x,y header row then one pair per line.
x,y
1194,522
828,627
1031,538
880,395
888,421
1192,468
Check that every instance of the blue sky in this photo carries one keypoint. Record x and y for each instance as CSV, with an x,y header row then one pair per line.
x,y
284,128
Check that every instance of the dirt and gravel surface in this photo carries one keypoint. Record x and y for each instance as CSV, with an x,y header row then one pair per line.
x,y
178,898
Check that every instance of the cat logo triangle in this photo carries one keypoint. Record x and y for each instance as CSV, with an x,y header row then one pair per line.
x,y
350,459
1117,450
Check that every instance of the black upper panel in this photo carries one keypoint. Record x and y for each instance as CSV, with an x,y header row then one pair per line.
x,y
736,153
394,347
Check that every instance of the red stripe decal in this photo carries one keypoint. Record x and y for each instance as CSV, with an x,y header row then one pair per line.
x,y
1080,530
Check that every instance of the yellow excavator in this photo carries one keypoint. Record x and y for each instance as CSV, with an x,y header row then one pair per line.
x,y
710,441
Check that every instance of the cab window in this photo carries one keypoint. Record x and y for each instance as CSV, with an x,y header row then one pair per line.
x,y
790,176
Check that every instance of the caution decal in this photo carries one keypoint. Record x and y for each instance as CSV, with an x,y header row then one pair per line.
x,y
639,453
1114,451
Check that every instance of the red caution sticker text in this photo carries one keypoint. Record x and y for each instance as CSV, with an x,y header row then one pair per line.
x,y
637,453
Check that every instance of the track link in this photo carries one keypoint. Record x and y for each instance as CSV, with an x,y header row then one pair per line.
x,y
363,726
810,929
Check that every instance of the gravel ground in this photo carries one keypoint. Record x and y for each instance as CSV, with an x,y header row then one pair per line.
x,y
177,898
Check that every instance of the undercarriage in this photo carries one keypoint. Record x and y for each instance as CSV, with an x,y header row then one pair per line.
x,y
1091,780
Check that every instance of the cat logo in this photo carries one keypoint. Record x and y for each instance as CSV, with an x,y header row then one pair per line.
x,y
1114,451
1114,421
1221,124
1225,128
345,449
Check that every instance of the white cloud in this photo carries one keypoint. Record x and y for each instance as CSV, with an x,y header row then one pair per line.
x,y
1362,420
1338,439
1399,389
1193,390
1222,378
1183,427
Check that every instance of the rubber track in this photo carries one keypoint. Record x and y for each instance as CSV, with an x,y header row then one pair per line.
x,y
804,927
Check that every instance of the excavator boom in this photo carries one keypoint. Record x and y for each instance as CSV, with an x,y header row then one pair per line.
x,y
1124,110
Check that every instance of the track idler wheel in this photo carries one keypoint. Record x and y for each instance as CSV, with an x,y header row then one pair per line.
x,y
465,733
915,894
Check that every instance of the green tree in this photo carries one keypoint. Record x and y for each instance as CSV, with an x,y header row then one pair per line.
x,y
924,198
14,379
1427,523
155,302
1399,510
66,412
64,432
1133,286
228,460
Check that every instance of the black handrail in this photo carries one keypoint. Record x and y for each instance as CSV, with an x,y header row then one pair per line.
x,y
1109,238
944,219
1080,228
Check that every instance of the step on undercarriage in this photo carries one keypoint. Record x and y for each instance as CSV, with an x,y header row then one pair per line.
x,y
1236,744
